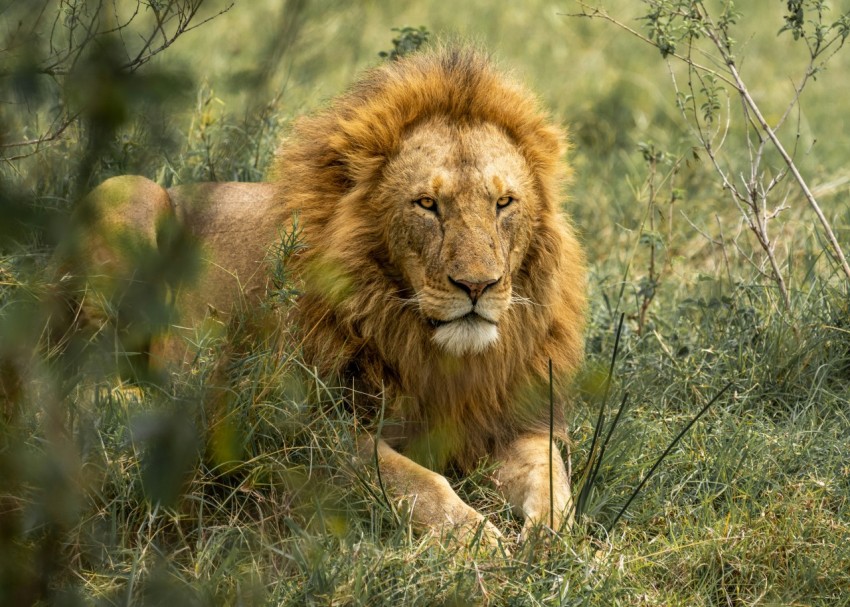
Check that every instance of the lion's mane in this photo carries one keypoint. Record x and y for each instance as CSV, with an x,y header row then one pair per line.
x,y
352,314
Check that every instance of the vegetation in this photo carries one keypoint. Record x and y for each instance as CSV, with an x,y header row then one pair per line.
x,y
232,482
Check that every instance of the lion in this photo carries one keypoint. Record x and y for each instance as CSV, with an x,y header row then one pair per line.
x,y
437,273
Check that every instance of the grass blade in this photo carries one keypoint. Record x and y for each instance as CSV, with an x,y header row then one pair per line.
x,y
587,484
551,443
666,453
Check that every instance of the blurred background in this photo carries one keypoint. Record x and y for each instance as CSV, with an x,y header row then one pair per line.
x,y
212,103
118,496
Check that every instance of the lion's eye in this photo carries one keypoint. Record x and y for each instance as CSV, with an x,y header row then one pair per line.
x,y
429,204
505,201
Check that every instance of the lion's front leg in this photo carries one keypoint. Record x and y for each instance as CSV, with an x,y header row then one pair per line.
x,y
524,479
433,504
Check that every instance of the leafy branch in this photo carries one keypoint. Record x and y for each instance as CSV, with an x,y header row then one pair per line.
x,y
49,47
675,28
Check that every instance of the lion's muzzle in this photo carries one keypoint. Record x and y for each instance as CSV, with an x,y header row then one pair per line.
x,y
473,288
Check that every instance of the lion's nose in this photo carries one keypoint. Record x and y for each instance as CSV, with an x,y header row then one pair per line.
x,y
473,289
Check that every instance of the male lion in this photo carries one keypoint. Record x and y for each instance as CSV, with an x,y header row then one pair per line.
x,y
437,271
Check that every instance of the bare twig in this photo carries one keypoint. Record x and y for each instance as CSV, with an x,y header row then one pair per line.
x,y
596,12
789,162
751,196
80,25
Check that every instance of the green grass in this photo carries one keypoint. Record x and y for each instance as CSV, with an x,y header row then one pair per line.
x,y
234,483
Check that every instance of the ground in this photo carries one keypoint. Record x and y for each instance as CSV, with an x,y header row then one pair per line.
x,y
234,485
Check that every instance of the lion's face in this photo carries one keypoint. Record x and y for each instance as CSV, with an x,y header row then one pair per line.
x,y
460,200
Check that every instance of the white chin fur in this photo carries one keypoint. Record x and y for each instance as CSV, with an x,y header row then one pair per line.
x,y
466,336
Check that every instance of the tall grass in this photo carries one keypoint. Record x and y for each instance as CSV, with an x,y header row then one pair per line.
x,y
234,482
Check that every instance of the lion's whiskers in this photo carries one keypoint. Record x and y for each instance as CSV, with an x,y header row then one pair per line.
x,y
407,302
525,301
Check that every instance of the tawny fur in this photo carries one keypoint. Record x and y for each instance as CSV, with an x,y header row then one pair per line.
x,y
382,272
329,171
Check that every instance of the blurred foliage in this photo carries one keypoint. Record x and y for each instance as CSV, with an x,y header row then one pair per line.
x,y
78,108
409,40
233,483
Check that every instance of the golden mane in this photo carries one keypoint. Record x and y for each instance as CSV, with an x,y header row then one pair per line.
x,y
432,180
352,315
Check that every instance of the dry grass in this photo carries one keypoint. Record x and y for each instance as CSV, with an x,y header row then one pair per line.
x,y
234,484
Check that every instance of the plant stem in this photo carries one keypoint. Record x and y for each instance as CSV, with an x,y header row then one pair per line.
x,y
789,162
551,443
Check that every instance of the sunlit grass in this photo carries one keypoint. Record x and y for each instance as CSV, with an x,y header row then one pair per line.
x,y
234,482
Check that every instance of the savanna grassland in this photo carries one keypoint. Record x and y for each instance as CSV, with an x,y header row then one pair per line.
x,y
232,483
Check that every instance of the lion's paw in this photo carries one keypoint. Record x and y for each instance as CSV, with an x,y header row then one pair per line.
x,y
540,520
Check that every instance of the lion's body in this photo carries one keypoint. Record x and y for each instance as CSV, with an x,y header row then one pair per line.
x,y
333,171
436,269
